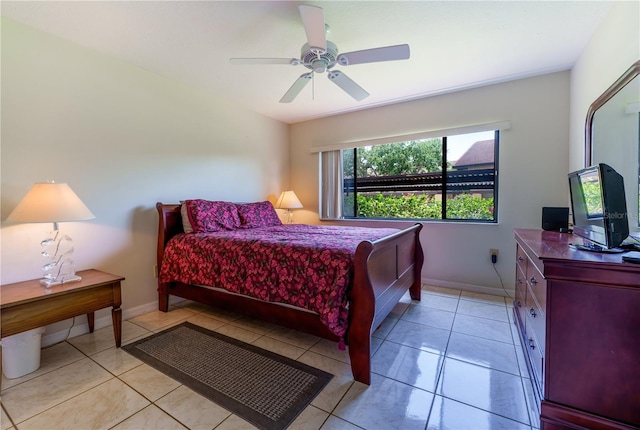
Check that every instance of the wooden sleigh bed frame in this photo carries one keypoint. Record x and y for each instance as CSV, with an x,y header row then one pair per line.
x,y
383,271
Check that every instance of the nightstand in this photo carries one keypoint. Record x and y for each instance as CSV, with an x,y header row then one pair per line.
x,y
28,305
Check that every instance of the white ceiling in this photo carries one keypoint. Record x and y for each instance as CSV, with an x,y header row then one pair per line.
x,y
454,44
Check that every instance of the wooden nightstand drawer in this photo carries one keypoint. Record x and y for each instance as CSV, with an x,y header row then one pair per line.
x,y
28,305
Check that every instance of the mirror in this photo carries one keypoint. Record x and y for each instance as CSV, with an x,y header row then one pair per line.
x,y
612,134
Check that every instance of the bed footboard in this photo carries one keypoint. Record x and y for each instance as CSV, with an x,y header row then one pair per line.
x,y
384,270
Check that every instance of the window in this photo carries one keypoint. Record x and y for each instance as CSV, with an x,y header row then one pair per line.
x,y
436,178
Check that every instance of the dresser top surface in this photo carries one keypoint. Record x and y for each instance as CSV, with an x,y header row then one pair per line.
x,y
552,245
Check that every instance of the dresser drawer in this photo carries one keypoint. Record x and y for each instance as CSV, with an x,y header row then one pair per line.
x,y
522,259
538,285
536,358
535,321
521,293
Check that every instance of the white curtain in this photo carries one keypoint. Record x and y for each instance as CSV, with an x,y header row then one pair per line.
x,y
331,185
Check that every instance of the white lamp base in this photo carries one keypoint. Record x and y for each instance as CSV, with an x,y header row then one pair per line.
x,y
51,282
58,248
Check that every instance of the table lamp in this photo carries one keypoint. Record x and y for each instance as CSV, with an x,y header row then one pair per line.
x,y
288,200
53,202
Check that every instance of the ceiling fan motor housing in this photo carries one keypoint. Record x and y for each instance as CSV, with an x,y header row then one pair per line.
x,y
319,62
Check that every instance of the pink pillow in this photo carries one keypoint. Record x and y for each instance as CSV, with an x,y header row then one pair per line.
x,y
260,214
205,215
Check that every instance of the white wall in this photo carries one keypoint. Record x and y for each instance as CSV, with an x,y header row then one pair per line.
x,y
123,139
533,169
614,47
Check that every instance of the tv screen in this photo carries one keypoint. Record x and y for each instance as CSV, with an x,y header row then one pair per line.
x,y
599,206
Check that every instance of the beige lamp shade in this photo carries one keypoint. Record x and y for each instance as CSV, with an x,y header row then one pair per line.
x,y
50,202
288,200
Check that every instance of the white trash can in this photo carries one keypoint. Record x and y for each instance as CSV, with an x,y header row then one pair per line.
x,y
21,353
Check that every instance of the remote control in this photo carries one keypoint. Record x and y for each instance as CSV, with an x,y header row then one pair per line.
x,y
632,257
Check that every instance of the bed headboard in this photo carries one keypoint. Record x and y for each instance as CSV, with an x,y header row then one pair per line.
x,y
169,224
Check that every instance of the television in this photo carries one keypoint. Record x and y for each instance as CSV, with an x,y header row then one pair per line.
x,y
599,207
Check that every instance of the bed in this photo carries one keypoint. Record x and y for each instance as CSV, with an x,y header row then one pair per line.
x,y
380,272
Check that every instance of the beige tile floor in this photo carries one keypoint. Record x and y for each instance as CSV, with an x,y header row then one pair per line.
x,y
450,361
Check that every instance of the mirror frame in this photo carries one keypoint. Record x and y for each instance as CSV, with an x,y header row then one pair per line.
x,y
623,80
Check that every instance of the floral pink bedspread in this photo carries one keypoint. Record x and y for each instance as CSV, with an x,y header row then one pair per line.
x,y
303,265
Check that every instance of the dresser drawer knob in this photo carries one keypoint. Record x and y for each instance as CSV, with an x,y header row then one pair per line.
x,y
533,312
532,345
520,258
520,281
533,280
519,304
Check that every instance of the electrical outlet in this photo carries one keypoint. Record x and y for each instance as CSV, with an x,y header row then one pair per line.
x,y
494,255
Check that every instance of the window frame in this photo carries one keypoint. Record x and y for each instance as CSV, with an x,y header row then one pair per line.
x,y
444,185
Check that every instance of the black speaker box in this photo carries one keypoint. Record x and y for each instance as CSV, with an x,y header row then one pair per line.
x,y
555,219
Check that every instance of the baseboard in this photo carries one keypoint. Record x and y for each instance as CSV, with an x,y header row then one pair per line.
x,y
78,326
469,287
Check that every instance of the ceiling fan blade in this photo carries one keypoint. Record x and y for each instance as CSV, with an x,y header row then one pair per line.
x,y
350,87
295,89
313,21
248,61
387,53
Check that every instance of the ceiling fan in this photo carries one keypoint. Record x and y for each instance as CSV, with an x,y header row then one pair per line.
x,y
320,55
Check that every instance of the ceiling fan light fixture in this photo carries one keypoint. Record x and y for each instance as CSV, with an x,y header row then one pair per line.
x,y
319,65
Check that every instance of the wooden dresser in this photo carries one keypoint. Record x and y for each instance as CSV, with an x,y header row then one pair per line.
x,y
578,315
